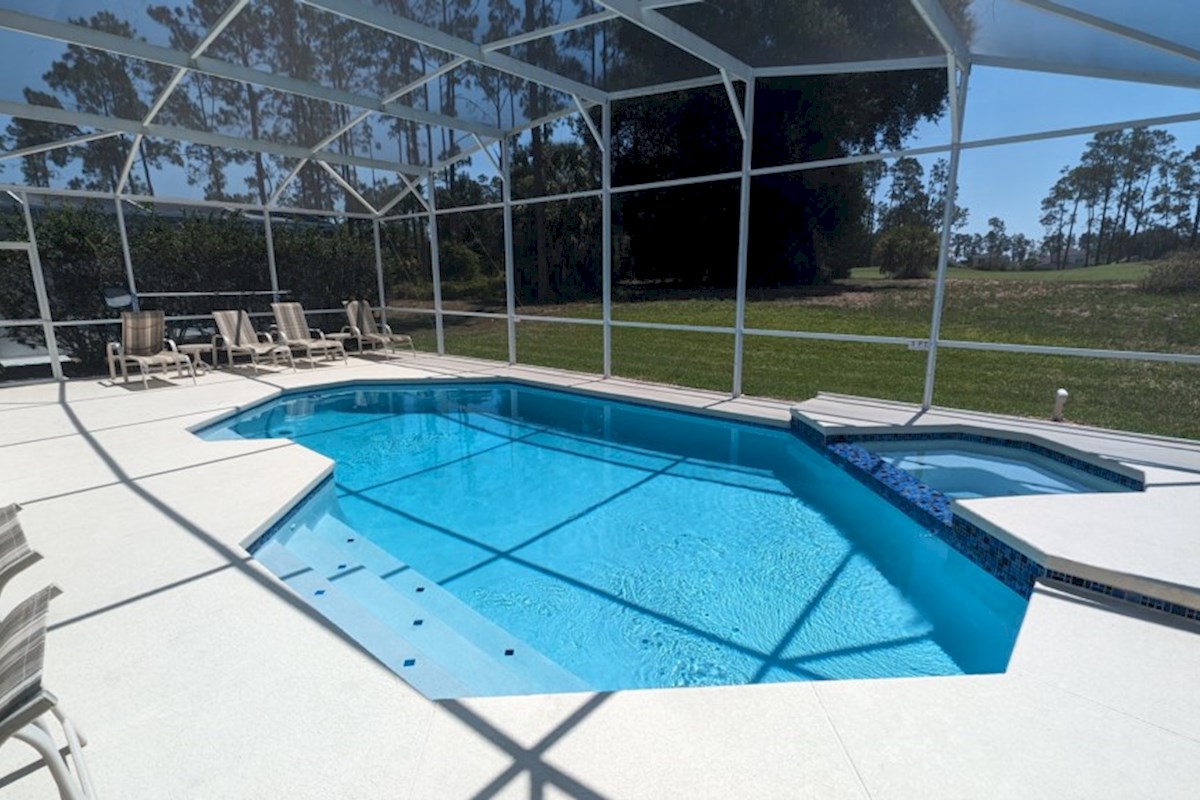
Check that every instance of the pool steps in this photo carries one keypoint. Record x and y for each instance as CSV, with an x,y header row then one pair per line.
x,y
374,598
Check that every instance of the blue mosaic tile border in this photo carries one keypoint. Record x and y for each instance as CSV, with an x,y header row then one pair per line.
x,y
931,509
1088,467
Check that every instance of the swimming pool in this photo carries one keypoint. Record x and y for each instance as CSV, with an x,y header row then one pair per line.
x,y
502,539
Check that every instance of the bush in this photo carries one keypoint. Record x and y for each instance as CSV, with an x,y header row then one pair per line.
x,y
906,251
458,262
1178,272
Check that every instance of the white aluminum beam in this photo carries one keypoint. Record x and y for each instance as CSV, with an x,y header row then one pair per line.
x,y
1115,28
43,299
675,34
66,117
483,148
743,242
125,253
136,48
958,97
435,268
1056,68
943,29
606,233
852,67
409,189
345,184
271,267
549,30
591,126
128,165
379,273
666,88
414,31
46,148
731,93
510,270
218,27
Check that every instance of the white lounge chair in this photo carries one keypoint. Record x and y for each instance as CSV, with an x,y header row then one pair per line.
x,y
362,328
294,332
24,702
236,336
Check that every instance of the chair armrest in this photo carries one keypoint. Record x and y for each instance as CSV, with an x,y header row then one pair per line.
x,y
217,341
386,329
352,330
170,343
317,333
266,337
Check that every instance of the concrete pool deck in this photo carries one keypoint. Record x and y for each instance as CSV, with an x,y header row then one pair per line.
x,y
197,674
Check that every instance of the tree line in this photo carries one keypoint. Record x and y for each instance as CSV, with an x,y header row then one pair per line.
x,y
806,226
1133,195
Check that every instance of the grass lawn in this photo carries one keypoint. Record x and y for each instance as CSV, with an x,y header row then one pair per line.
x,y
1098,312
1130,272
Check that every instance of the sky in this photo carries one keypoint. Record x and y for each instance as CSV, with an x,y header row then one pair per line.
x,y
1007,181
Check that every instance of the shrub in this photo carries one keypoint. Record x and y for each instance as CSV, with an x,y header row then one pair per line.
x,y
906,251
1178,272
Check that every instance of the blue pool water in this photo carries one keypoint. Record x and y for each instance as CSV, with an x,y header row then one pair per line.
x,y
494,538
964,469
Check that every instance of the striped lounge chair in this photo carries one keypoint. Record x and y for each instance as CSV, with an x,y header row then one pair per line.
x,y
144,343
236,336
24,702
293,330
362,328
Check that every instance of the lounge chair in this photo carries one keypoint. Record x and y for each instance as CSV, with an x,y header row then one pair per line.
x,y
294,332
144,342
236,336
362,328
23,701
15,554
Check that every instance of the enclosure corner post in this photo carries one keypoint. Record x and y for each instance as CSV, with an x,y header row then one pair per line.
x,y
958,96
435,264
133,293
510,291
39,289
739,336
379,272
274,273
606,231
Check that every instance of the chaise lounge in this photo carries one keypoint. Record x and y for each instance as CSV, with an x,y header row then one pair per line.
x,y
144,343
362,328
236,336
294,332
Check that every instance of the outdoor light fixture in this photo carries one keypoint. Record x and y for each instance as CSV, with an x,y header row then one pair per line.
x,y
1060,400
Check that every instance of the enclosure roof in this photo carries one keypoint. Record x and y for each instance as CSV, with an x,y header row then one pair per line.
x,y
335,88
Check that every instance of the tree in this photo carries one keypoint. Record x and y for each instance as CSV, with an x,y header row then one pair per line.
x,y
39,168
100,82
997,244
907,251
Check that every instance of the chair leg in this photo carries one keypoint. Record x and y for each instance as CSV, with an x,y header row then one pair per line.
x,y
75,743
36,736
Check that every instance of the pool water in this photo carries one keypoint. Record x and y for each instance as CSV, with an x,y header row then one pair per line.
x,y
548,541
965,469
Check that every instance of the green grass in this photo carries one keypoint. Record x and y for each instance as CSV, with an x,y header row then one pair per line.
x,y
1131,272
1107,313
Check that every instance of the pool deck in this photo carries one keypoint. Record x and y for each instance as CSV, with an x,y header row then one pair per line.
x,y
197,674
